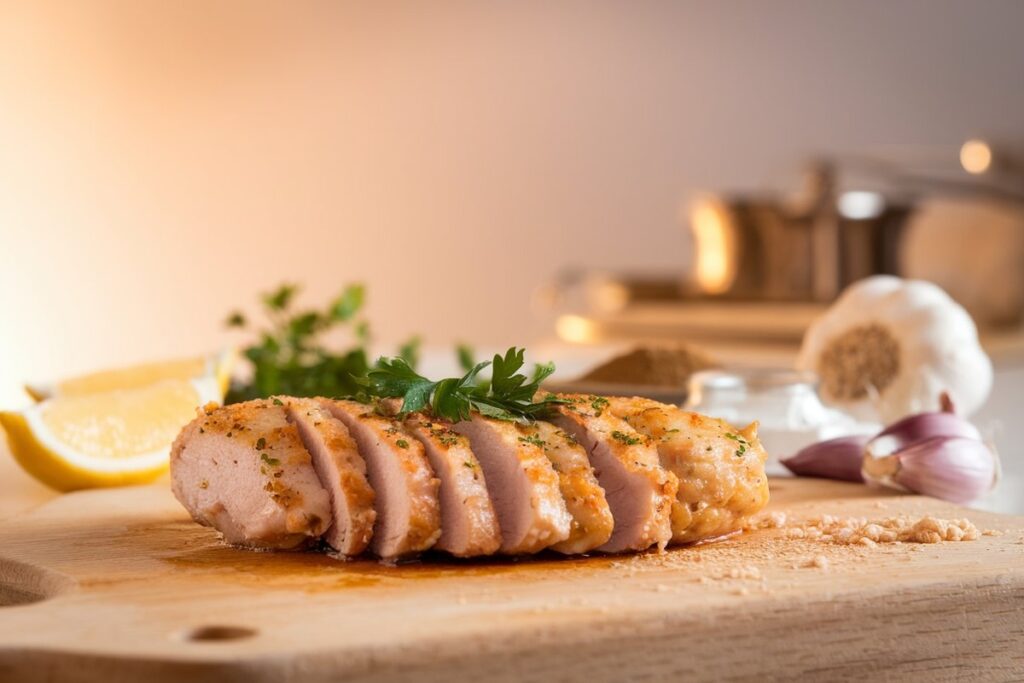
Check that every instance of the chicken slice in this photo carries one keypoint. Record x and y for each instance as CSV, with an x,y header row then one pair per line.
x,y
592,522
639,490
522,484
469,526
243,470
408,513
720,468
342,473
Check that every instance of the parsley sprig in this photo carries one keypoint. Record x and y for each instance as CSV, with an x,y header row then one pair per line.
x,y
509,395
289,356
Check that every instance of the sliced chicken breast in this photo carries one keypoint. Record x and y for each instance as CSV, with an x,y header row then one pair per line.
x,y
342,473
469,526
638,489
522,484
592,522
720,468
408,513
243,470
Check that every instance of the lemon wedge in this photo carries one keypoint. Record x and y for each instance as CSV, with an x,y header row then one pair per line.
x,y
218,366
112,438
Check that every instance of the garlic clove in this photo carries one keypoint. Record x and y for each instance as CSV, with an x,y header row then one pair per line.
x,y
954,468
915,428
833,459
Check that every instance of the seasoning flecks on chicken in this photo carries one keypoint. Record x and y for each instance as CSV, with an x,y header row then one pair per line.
x,y
608,474
408,513
342,473
592,521
639,491
522,484
720,468
243,470
469,526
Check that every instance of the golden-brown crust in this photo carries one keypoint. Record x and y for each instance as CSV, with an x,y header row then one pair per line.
x,y
720,468
707,476
552,521
634,453
465,482
358,496
424,510
592,522
243,469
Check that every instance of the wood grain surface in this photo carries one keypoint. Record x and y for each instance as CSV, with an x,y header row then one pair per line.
x,y
120,585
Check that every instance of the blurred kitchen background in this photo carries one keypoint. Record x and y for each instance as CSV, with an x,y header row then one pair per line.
x,y
575,177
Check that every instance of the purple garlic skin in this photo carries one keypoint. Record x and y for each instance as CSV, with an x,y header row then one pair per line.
x,y
833,459
954,468
910,430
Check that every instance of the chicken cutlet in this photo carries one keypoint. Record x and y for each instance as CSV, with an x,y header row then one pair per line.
x,y
720,468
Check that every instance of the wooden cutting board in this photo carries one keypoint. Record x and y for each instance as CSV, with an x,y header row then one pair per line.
x,y
120,585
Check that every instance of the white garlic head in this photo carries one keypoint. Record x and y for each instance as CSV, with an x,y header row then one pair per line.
x,y
890,347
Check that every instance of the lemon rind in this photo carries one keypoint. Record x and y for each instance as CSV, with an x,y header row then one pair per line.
x,y
207,390
218,365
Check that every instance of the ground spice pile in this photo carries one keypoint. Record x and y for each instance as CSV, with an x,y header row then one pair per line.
x,y
657,366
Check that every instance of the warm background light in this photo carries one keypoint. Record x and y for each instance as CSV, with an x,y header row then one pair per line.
x,y
575,329
161,162
975,156
859,205
714,244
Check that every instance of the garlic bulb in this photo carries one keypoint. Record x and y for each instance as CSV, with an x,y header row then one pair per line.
x,y
890,347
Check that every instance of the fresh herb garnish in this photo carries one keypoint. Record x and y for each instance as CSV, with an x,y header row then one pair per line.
x,y
535,440
445,436
273,462
508,396
261,443
627,439
743,443
402,443
465,356
410,351
598,403
289,358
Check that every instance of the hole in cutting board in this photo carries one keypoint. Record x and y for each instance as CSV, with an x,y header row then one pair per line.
x,y
26,584
218,633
